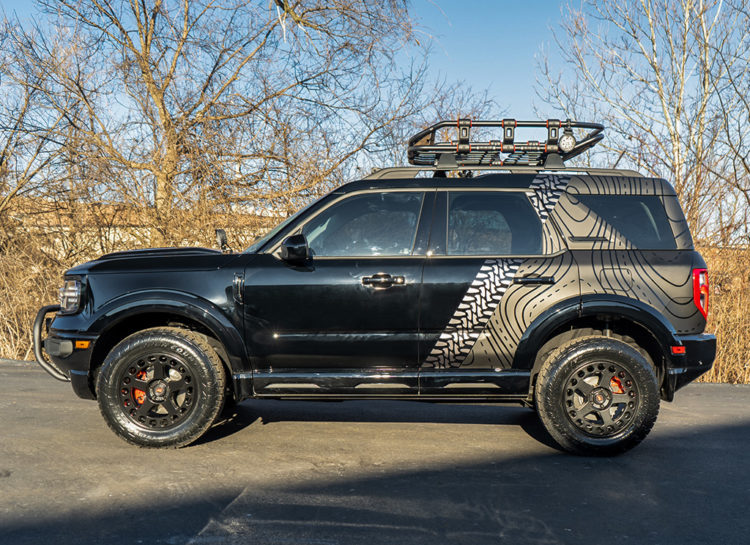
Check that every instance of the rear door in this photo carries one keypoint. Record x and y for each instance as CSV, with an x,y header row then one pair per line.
x,y
495,265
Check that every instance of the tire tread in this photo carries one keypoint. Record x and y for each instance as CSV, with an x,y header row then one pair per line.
x,y
556,422
213,389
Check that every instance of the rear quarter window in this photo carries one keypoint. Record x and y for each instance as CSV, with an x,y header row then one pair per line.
x,y
639,219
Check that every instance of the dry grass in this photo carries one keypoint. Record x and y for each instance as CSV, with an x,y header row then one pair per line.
x,y
28,280
30,274
728,318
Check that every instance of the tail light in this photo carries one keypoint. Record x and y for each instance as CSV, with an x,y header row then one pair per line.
x,y
700,290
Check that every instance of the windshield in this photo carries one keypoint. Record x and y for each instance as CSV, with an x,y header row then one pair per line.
x,y
259,242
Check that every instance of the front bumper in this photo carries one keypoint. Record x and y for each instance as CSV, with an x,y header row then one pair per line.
x,y
700,352
66,362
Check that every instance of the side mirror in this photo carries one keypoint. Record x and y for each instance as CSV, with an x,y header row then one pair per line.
x,y
221,240
295,250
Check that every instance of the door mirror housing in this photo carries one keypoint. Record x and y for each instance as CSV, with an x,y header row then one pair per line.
x,y
221,240
295,250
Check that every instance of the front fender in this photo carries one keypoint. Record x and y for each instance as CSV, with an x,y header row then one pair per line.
x,y
224,323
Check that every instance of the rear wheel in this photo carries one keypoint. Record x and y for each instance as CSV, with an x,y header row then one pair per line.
x,y
597,396
161,387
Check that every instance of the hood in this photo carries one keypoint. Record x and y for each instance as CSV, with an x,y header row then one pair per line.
x,y
160,252
156,259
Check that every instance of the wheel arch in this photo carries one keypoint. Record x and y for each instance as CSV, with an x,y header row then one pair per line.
x,y
139,311
626,319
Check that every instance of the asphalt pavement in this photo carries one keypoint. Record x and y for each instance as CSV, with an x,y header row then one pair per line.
x,y
328,473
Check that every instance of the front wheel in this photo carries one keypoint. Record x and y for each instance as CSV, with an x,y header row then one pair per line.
x,y
161,387
597,396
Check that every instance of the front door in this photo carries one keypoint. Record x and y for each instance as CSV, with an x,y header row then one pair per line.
x,y
347,321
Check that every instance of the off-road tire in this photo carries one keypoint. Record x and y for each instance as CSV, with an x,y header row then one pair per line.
x,y
177,376
600,416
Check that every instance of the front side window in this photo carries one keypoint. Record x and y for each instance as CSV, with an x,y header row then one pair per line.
x,y
368,224
492,223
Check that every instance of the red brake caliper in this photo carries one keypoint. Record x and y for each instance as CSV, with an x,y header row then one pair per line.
x,y
139,395
616,386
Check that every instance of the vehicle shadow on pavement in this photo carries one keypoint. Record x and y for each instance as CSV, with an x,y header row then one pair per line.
x,y
673,489
405,473
265,412
676,488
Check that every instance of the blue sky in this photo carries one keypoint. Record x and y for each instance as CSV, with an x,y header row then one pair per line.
x,y
488,44
491,44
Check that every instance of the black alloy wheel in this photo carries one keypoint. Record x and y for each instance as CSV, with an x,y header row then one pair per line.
x,y
157,391
597,395
161,387
601,398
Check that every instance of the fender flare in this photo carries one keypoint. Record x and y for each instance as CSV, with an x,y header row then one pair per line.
x,y
643,315
213,317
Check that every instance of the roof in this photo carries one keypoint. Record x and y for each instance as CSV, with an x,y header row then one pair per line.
x,y
588,181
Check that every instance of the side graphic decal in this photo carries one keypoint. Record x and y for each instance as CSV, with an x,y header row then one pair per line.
x,y
492,281
612,264
473,313
547,190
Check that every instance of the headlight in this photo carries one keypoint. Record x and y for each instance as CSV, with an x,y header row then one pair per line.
x,y
70,296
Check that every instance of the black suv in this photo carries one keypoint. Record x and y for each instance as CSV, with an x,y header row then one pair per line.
x,y
485,272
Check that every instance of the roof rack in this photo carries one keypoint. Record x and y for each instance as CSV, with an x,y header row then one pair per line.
x,y
559,146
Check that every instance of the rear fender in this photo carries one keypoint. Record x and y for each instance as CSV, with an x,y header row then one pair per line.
x,y
591,306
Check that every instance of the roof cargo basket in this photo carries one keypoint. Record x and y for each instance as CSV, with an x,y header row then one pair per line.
x,y
560,144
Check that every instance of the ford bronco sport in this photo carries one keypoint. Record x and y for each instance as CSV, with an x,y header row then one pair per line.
x,y
486,271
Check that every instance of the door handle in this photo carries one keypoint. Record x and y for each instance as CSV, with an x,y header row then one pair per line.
x,y
527,280
382,280
238,287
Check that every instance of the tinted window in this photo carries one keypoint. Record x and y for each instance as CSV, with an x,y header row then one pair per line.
x,y
369,224
492,223
639,218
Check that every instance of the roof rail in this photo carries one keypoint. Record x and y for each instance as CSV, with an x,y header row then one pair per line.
x,y
560,144
406,172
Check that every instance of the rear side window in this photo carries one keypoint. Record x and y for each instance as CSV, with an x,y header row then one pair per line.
x,y
492,223
641,219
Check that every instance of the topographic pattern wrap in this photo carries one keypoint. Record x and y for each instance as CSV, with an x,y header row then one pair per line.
x,y
494,278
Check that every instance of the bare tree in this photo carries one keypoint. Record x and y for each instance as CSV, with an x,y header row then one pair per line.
x,y
731,81
186,101
650,71
27,146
